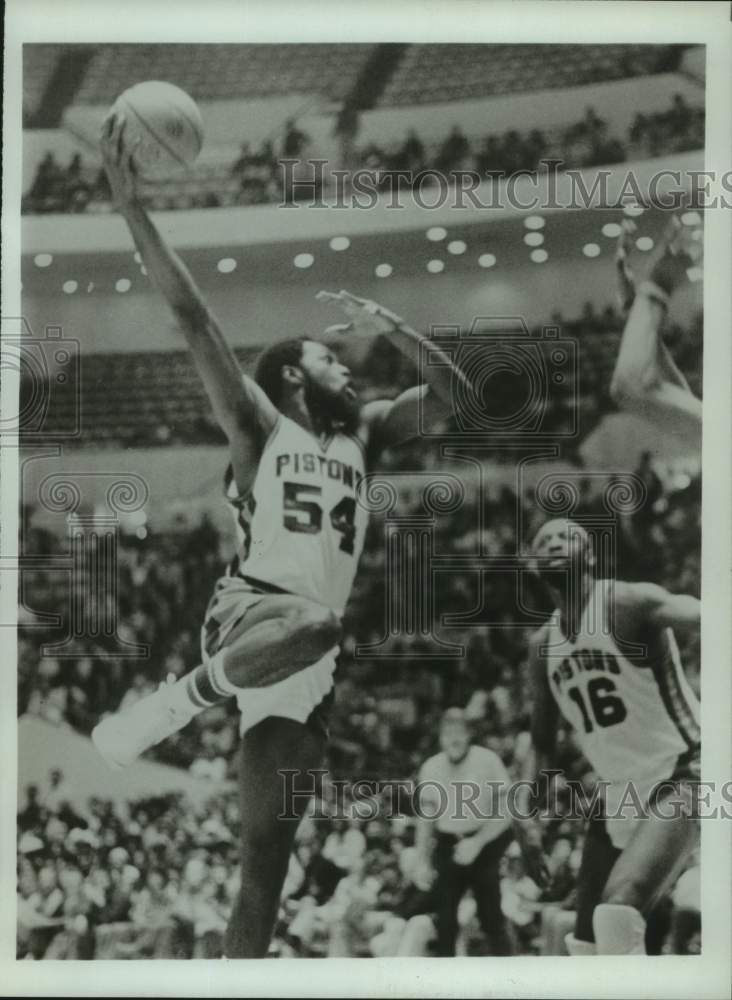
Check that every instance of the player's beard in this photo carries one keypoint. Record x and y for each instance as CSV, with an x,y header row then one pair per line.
x,y
331,409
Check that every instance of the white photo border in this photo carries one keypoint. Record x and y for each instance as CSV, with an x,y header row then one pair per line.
x,y
97,21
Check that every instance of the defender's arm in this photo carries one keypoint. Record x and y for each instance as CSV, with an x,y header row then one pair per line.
x,y
387,422
661,608
544,721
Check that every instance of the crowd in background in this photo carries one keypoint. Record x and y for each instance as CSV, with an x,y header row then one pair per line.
x,y
163,402
586,143
259,178
156,878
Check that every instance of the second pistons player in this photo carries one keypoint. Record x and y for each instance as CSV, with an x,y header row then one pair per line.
x,y
298,440
607,661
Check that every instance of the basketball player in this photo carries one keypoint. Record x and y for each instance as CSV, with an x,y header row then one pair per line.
x,y
298,441
608,662
646,379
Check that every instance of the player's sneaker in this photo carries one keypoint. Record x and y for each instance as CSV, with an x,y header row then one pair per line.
x,y
122,737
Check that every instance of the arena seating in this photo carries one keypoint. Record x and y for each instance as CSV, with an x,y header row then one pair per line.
x,y
39,62
424,74
223,179
431,73
225,71
156,398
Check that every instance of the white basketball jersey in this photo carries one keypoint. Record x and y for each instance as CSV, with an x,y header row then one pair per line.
x,y
301,528
632,720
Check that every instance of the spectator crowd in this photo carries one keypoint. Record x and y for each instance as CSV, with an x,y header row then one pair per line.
x,y
156,878
257,175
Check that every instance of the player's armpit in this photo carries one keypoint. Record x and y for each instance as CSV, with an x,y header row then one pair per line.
x,y
245,452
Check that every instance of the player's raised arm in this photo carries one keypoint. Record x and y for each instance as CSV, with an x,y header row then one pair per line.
x,y
648,602
389,422
624,273
646,379
242,409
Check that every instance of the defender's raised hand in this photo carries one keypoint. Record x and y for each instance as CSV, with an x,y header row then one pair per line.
x,y
119,162
366,316
679,251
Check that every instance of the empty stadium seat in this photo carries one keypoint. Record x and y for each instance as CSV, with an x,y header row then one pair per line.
x,y
224,72
434,73
131,397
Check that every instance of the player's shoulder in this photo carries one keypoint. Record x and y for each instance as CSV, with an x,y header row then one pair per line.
x,y
432,765
481,752
372,414
373,411
539,638
633,604
487,760
632,595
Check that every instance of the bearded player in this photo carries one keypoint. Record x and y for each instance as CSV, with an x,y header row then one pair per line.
x,y
607,661
298,442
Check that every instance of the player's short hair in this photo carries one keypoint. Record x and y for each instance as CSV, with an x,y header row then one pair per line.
x,y
268,371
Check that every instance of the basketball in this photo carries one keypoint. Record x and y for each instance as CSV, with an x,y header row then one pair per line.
x,y
162,125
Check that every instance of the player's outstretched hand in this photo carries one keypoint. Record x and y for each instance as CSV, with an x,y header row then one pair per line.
x,y
119,161
366,316
679,251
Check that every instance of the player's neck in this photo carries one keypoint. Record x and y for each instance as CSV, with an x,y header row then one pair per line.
x,y
571,599
297,410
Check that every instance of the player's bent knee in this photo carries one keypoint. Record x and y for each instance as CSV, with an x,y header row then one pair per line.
x,y
318,627
623,892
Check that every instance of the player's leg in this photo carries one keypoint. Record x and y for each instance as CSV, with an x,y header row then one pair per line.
x,y
418,936
598,858
449,888
273,746
251,640
652,860
278,636
486,884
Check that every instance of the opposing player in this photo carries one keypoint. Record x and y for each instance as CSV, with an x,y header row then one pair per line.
x,y
646,379
298,444
607,661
